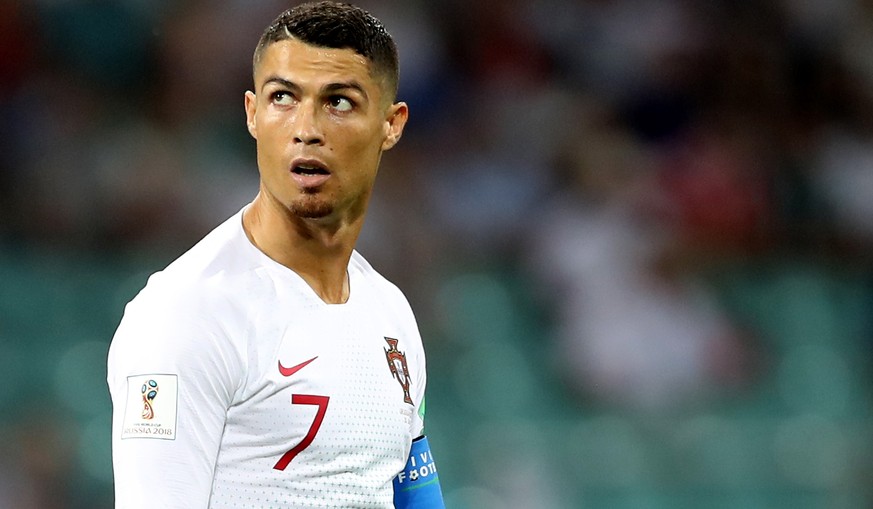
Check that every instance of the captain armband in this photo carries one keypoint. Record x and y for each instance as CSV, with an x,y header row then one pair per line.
x,y
417,486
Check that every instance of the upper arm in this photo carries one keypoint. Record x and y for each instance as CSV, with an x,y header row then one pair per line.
x,y
418,386
167,459
418,374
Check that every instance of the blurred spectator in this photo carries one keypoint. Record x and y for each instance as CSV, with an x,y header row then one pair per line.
x,y
635,327
37,463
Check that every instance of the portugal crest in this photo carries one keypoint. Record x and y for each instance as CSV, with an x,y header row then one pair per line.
x,y
397,365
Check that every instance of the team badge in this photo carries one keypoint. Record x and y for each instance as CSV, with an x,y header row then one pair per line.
x,y
398,367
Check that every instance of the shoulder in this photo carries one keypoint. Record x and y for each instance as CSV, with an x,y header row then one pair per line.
x,y
202,276
223,252
389,293
192,300
386,299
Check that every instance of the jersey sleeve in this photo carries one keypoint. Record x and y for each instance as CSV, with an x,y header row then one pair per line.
x,y
419,384
172,373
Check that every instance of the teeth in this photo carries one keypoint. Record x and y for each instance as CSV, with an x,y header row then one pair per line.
x,y
309,170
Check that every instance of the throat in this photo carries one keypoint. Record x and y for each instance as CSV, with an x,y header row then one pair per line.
x,y
317,251
336,293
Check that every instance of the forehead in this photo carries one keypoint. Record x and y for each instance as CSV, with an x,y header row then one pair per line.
x,y
295,60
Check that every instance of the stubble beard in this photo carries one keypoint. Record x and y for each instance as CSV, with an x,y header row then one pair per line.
x,y
311,206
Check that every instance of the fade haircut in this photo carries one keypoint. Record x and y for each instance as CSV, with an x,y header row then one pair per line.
x,y
340,26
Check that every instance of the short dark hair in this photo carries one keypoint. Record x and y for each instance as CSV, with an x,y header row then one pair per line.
x,y
341,26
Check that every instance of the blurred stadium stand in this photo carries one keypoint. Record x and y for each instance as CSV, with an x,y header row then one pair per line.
x,y
638,235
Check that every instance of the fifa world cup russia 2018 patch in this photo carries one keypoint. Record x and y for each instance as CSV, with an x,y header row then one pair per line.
x,y
150,408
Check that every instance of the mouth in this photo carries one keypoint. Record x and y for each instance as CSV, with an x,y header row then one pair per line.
x,y
309,173
309,168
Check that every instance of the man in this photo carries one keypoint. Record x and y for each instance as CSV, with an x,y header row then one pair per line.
x,y
270,365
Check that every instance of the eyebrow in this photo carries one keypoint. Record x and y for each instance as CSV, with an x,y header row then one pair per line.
x,y
329,88
353,85
281,81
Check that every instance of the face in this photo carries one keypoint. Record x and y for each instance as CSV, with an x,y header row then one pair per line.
x,y
321,122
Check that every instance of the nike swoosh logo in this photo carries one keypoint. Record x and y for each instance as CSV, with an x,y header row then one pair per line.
x,y
294,369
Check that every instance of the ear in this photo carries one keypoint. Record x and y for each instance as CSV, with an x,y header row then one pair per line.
x,y
395,120
251,104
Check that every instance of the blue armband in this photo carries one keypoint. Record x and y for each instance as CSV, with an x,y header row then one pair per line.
x,y
417,486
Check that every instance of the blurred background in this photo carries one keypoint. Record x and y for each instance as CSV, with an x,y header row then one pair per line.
x,y
637,235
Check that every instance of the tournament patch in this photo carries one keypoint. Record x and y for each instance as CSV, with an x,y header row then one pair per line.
x,y
150,411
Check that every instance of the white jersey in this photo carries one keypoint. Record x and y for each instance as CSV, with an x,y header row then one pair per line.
x,y
235,386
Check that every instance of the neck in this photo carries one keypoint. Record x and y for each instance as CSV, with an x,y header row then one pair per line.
x,y
317,251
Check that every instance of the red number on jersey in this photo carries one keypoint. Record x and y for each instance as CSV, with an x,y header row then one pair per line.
x,y
305,399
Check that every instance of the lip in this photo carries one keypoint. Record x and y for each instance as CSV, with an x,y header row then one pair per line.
x,y
309,181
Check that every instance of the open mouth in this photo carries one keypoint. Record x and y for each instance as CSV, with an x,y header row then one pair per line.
x,y
309,174
309,169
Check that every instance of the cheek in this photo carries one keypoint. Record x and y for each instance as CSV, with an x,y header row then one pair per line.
x,y
371,139
354,143
271,140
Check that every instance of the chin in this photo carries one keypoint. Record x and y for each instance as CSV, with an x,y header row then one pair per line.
x,y
311,209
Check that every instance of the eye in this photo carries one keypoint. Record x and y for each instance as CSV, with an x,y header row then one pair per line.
x,y
341,103
281,97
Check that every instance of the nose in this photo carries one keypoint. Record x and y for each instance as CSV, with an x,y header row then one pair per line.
x,y
307,125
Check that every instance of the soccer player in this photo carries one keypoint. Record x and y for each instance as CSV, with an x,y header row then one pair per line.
x,y
271,366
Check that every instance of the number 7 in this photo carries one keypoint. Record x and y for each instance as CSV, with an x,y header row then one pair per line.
x,y
305,399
